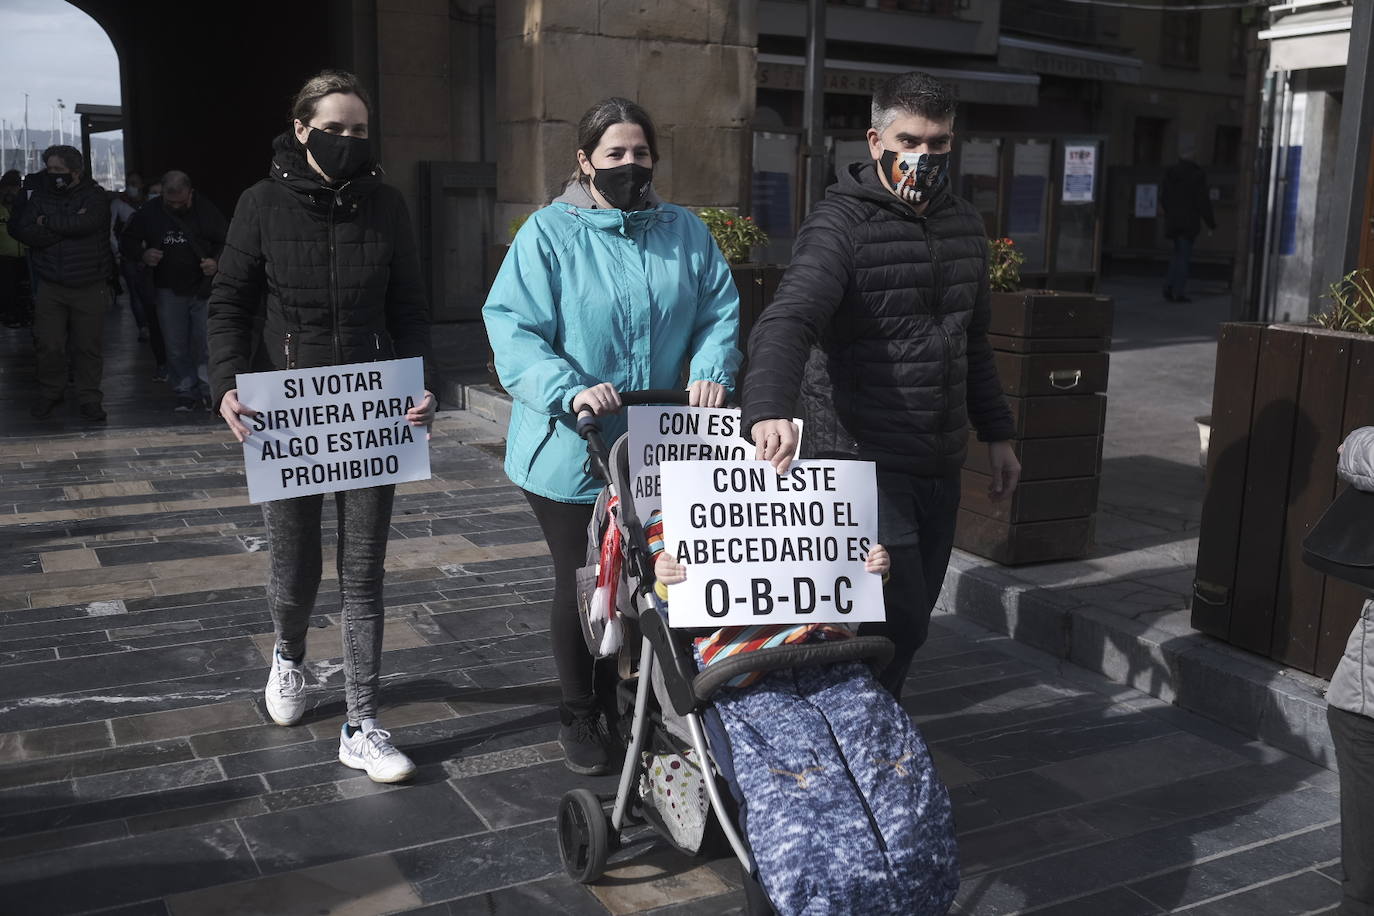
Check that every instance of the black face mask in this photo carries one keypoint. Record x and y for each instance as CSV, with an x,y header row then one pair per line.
x,y
339,157
912,177
625,187
57,184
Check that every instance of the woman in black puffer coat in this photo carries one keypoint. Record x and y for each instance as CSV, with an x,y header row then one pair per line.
x,y
325,253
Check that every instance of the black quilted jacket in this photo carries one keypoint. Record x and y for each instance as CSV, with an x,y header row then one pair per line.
x,y
72,247
896,306
333,273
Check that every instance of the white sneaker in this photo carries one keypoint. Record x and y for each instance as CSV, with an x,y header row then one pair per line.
x,y
371,749
285,693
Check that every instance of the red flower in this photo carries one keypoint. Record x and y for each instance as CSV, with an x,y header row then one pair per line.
x,y
729,222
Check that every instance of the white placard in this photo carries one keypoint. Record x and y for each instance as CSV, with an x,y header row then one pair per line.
x,y
659,434
332,428
1146,201
1080,170
764,548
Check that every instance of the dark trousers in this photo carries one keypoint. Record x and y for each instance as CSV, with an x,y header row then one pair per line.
x,y
582,680
293,538
11,270
1177,279
70,319
916,517
145,310
1353,736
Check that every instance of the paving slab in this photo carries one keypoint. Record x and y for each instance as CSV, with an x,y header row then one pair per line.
x,y
138,776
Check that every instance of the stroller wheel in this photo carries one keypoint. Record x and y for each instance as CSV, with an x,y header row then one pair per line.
x,y
583,835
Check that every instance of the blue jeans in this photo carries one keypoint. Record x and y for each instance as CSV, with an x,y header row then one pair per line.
x,y
183,332
1177,280
916,518
293,538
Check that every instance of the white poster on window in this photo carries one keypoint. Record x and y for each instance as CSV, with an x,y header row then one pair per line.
x,y
979,157
1080,170
1146,201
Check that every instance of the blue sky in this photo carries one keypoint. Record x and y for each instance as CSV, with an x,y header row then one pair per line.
x,y
52,50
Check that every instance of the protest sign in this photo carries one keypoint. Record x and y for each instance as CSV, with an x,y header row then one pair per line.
x,y
332,428
659,434
760,547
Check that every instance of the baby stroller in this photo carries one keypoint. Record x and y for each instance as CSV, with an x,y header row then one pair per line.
x,y
665,700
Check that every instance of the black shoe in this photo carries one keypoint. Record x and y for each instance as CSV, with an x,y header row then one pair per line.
x,y
160,374
1169,295
92,412
44,408
185,405
584,744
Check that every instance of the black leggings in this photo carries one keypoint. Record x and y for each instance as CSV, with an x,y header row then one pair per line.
x,y
565,530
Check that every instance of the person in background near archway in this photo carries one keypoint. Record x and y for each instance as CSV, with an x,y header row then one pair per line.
x,y
606,289
179,237
65,221
12,266
1186,205
323,206
137,277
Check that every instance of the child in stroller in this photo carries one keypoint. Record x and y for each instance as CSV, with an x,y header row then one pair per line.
x,y
832,785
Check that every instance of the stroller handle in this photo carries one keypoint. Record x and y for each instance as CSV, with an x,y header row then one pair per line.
x,y
588,422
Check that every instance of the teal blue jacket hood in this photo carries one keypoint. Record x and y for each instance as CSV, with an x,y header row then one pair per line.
x,y
586,295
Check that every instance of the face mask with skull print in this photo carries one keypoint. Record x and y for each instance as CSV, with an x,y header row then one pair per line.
x,y
914,177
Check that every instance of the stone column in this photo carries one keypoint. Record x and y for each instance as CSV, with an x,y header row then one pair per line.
x,y
690,63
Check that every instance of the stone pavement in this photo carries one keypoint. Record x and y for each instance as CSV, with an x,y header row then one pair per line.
x,y
1124,610
139,774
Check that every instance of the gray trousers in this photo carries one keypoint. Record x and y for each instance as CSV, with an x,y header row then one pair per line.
x,y
293,537
1353,737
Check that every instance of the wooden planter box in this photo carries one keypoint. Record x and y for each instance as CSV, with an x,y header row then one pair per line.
x,y
1051,358
1284,398
757,284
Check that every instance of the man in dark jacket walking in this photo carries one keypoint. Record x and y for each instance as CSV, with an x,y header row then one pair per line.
x,y
889,283
180,236
1187,205
64,218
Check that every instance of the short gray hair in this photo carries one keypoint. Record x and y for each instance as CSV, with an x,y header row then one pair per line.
x,y
176,181
911,93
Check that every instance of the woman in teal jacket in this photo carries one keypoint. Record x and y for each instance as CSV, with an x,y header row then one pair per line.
x,y
606,289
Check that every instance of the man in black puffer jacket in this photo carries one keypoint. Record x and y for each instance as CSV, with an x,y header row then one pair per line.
x,y
64,218
889,283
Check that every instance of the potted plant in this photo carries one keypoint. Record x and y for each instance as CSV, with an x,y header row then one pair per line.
x,y
737,236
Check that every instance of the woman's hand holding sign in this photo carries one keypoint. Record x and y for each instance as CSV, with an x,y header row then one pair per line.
x,y
231,409
422,414
702,393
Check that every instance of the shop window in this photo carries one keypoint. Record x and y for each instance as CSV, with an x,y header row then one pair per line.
x,y
928,7
1180,36
1148,142
1226,147
1237,56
